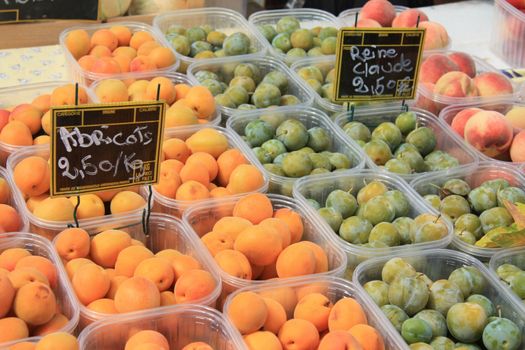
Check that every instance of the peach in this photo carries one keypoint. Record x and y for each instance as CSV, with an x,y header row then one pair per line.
x,y
434,67
100,51
91,206
112,90
87,62
16,133
106,38
339,340
409,18
165,88
29,115
459,121
122,33
455,84
10,220
136,293
35,303
4,118
436,36
465,63
516,117
142,64
248,312
262,340
368,23
126,201
489,132
32,176
78,43
162,57
493,84
517,149
127,51
382,11
106,65
55,209
193,285
345,314
12,328
42,102
299,334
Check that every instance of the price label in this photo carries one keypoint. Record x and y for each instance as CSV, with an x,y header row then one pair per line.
x,y
377,64
33,10
102,147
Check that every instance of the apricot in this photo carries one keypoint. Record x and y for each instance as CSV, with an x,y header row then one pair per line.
x,y
4,117
91,206
227,162
315,308
339,340
137,88
231,225
138,38
58,322
107,245
276,316
127,51
5,191
147,336
254,207
162,57
169,182
10,220
168,254
464,62
42,102
294,221
381,11
489,132
136,293
207,160
517,149
234,263
245,178
90,282
7,294
181,90
193,285
58,340
126,201
195,171
16,133
299,334
106,38
296,260
35,303
99,51
455,84
183,263
87,62
73,265
10,257
24,275
106,65
147,47
247,311
32,175
104,306
409,18
435,66
262,340
345,314
321,259
167,298
436,36
166,90
78,43
208,140
42,264
281,227
493,84
368,337
269,272
259,244
114,284
219,192
199,345
42,140
24,345
122,33
217,241
200,99
112,90
46,123
516,117
461,119
175,149
157,270
65,95
29,115
12,328
55,209
129,258
191,191
142,64
285,296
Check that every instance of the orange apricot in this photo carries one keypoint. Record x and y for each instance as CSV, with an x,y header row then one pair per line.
x,y
136,293
35,303
295,260
158,271
260,245
262,340
72,243
234,263
165,88
42,264
104,306
254,207
129,258
276,316
106,246
245,178
122,33
298,334
175,149
315,308
217,241
7,294
248,312
16,133
280,227
32,175
162,57
78,43
58,322
195,171
90,283
138,38
183,263
12,328
192,190
294,221
368,337
193,285
106,38
147,336
345,314
10,257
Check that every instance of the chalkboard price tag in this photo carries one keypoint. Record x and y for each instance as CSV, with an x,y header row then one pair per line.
x,y
377,63
34,10
105,146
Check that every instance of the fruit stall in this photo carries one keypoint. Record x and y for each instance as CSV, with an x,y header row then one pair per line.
x,y
261,175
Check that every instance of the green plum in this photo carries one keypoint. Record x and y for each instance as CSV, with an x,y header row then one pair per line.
x,y
379,209
203,75
246,83
263,156
289,100
268,31
398,166
340,161
442,343
196,34
287,24
502,334
343,202
373,189
507,272
396,267
457,186
494,218
320,161
224,100
355,230
517,284
215,38
466,321
258,132
378,151
466,236
313,203
424,140
405,226
297,164
266,95
389,133
429,231
181,44
274,147
237,94
406,122
435,320
246,107
482,198
414,159
484,302
496,184
378,291
319,139
409,293
247,70
443,295
433,200
327,32
511,194
399,201
302,39
277,78
469,279
386,233
214,86
471,223
454,206
416,330
274,169
293,134
357,131
311,72
236,44
328,45
332,217
395,314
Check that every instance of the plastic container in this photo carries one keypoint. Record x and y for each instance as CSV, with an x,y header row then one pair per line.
x,y
447,140
39,226
501,106
310,117
514,256
13,200
347,17
474,175
79,74
224,67
176,78
201,219
508,32
181,325
319,187
15,95
309,18
438,264
335,289
173,207
220,19
164,232
434,102
64,294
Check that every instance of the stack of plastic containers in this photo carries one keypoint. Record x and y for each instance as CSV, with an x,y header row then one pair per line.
x,y
508,32
181,326
437,264
319,187
79,74
14,201
289,292
514,256
446,140
173,207
309,117
163,232
65,297
219,19
201,219
474,175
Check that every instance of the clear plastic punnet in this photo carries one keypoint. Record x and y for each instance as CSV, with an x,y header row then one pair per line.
x,y
438,264
318,188
15,95
14,201
514,256
508,33
446,140
309,18
435,102
176,78
224,68
201,219
310,117
39,226
163,232
180,325
77,73
502,106
474,175
174,207
220,19
334,289
66,300
347,17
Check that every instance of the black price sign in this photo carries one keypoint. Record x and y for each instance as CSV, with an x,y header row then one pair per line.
x,y
34,10
377,64
102,147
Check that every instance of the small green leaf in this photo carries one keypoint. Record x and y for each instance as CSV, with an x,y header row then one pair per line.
x,y
518,213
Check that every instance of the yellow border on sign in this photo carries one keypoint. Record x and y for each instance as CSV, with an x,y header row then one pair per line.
x,y
18,20
117,105
339,50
